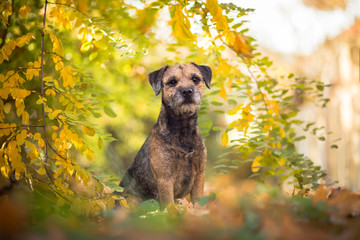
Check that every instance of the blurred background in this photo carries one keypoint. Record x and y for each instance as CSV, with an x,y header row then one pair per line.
x,y
319,39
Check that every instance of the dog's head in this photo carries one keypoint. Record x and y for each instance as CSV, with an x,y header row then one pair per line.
x,y
182,86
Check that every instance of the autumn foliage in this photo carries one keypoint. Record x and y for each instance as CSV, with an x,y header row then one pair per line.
x,y
70,69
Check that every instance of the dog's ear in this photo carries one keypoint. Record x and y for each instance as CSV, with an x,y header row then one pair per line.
x,y
205,72
155,79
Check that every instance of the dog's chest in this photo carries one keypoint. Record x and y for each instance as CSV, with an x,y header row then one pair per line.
x,y
187,166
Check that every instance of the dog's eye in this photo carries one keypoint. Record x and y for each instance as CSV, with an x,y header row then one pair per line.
x,y
195,79
172,82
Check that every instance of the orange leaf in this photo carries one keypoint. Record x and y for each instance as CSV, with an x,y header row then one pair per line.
x,y
222,93
241,47
24,10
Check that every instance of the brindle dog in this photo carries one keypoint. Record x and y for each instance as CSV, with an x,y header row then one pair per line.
x,y
171,162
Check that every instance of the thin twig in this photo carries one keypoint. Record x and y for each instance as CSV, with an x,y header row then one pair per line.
x,y
66,199
56,152
251,74
50,52
258,87
24,126
42,94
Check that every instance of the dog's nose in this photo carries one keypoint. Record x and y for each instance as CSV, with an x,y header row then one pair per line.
x,y
187,92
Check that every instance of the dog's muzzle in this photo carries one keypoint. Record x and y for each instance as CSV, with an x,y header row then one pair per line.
x,y
186,101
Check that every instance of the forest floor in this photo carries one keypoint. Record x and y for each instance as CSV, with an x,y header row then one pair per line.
x,y
231,210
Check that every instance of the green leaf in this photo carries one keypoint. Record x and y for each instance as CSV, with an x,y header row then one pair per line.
x,y
232,102
321,138
113,186
216,103
206,199
300,138
149,206
320,87
218,111
100,143
108,111
334,146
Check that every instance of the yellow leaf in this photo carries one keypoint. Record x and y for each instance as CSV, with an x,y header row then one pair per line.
x,y
235,110
37,136
181,25
22,136
41,101
20,109
78,177
34,152
17,175
4,92
59,65
56,59
212,6
24,10
230,38
5,171
282,133
2,78
255,166
54,114
19,93
83,5
221,21
70,169
89,155
25,118
41,171
124,203
57,172
282,161
7,108
54,136
87,130
41,143
224,139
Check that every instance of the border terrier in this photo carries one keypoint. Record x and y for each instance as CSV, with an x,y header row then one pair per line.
x,y
171,162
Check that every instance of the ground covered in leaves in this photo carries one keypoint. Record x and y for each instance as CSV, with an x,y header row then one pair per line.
x,y
231,210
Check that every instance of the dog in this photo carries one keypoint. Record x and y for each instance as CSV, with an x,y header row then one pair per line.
x,y
171,162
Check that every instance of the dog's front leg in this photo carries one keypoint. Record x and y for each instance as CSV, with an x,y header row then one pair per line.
x,y
198,187
166,191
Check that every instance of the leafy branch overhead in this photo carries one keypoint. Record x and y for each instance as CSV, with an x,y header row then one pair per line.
x,y
57,59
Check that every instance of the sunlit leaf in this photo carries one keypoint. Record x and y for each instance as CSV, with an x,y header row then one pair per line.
x,y
108,111
224,139
255,166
